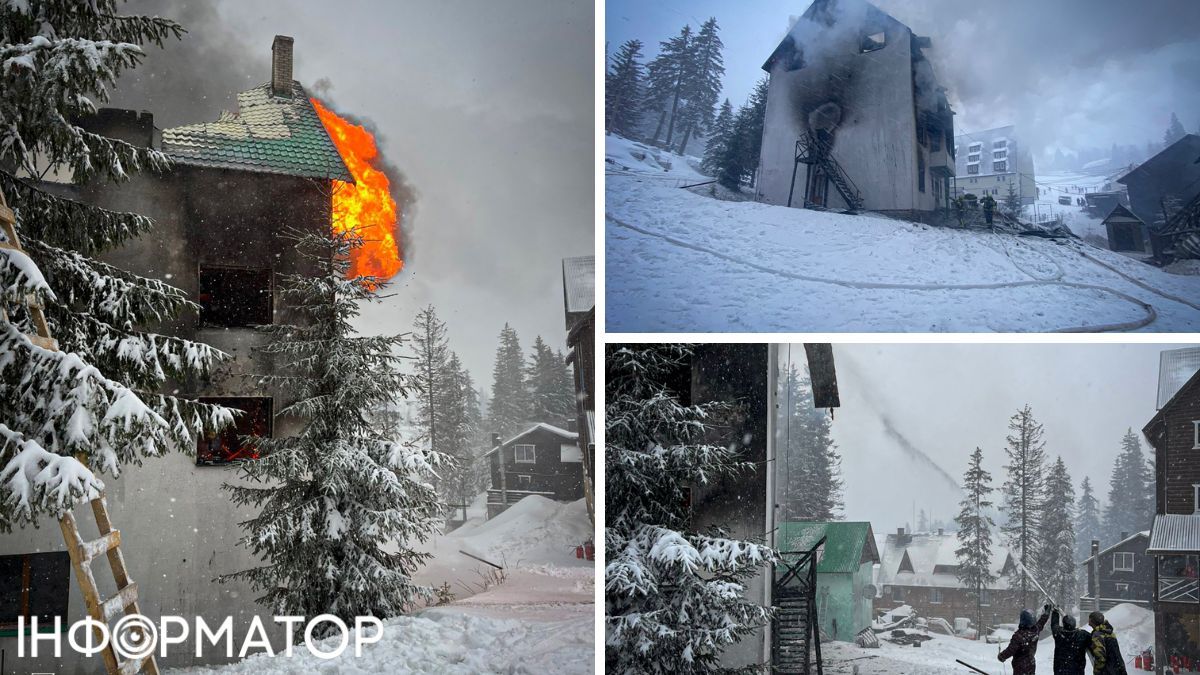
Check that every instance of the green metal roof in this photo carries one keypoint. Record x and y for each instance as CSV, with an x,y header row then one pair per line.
x,y
269,134
844,544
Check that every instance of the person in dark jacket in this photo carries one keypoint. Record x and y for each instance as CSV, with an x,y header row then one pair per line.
x,y
1105,652
1070,644
1023,645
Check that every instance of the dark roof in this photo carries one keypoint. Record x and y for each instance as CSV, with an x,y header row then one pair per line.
x,y
1154,427
818,10
267,134
1180,153
1126,540
847,545
1121,211
1175,533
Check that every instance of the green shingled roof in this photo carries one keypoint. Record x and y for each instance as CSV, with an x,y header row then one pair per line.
x,y
844,544
270,134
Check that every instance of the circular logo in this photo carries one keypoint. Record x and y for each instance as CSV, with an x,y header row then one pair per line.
x,y
134,636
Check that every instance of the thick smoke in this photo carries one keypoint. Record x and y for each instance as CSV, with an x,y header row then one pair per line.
x,y
1068,73
194,79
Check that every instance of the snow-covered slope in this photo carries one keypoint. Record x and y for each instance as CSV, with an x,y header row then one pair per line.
x,y
680,261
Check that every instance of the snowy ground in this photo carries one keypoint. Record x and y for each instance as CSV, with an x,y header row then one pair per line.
x,y
1134,628
539,618
681,261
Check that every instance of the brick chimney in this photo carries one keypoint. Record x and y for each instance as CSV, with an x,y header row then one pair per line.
x,y
281,66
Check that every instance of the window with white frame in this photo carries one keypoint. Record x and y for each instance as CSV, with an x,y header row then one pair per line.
x,y
1196,497
985,597
975,147
1002,143
1122,561
999,166
1000,154
524,454
935,596
973,168
524,482
1122,590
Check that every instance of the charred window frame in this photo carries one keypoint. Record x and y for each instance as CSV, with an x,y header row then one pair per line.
x,y
235,297
257,419
872,42
34,584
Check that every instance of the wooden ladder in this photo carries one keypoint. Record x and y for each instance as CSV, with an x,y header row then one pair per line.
x,y
83,553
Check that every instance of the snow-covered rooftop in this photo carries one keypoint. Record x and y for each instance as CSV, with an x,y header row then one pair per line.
x,y
928,552
540,426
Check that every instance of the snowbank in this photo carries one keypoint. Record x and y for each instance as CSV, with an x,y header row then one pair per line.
x,y
625,156
443,643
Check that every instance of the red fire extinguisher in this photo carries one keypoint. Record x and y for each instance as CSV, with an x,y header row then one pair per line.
x,y
1148,660
1137,662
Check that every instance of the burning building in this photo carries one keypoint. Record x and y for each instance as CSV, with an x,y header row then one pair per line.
x,y
1164,193
855,118
280,163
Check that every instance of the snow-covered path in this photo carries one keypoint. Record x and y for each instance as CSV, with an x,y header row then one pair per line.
x,y
679,261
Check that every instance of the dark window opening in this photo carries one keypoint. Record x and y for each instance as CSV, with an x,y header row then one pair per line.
x,y
921,171
524,482
229,445
233,297
34,584
793,59
972,168
873,42
999,166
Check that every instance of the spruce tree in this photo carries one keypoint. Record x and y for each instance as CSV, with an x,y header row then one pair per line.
x,y
623,90
742,153
430,371
1130,492
509,408
1087,521
810,464
718,140
702,85
1174,132
97,398
974,550
1024,495
550,401
460,433
674,597
338,503
1056,566
665,77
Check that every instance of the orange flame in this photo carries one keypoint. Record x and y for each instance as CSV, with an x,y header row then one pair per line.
x,y
366,207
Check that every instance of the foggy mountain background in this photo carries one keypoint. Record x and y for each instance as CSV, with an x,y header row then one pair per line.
x,y
905,406
485,109
1071,74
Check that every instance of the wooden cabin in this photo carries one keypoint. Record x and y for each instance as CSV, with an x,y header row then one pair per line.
x,y
1126,232
1123,571
542,460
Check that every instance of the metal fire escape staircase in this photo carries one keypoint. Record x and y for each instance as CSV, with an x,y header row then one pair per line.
x,y
813,151
796,629
109,544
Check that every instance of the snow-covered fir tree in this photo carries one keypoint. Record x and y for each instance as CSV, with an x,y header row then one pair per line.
x,y
430,373
974,552
719,138
508,411
1056,568
674,597
99,396
1024,495
623,97
665,77
702,85
1175,131
810,464
741,156
551,390
339,504
460,434
1087,520
1130,491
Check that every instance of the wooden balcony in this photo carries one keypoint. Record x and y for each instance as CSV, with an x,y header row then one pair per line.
x,y
1179,589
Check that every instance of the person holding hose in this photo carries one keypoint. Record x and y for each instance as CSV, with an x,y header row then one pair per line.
x,y
1070,644
1023,645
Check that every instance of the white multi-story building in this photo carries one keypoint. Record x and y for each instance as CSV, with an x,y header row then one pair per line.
x,y
988,162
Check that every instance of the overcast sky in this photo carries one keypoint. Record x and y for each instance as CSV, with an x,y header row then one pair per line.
x,y
487,108
946,399
1072,72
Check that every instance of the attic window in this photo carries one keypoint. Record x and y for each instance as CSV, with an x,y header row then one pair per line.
x,y
905,564
34,584
231,445
234,297
873,42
